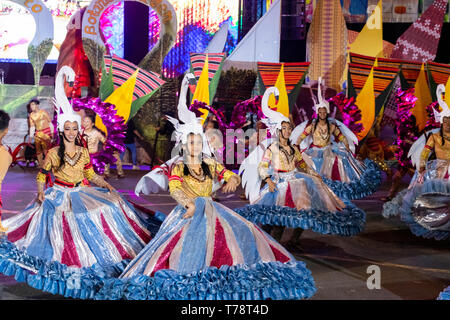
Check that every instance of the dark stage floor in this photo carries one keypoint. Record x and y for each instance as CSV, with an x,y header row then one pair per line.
x,y
411,267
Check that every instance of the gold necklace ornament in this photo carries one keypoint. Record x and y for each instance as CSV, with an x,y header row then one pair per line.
x,y
72,160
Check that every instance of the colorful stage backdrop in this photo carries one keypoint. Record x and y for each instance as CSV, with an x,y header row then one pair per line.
x,y
198,20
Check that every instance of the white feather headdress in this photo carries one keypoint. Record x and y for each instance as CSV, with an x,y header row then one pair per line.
x,y
439,116
64,109
323,103
191,124
273,119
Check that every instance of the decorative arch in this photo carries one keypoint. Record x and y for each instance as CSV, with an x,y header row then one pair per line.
x,y
42,43
94,46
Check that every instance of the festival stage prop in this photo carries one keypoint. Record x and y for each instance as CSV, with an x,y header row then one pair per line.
x,y
438,73
126,86
383,77
370,40
294,77
366,103
327,43
71,53
422,92
420,42
209,64
95,47
262,42
41,45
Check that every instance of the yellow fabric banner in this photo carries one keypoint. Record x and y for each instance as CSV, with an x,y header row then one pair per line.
x,y
201,93
122,98
366,103
370,40
422,92
283,100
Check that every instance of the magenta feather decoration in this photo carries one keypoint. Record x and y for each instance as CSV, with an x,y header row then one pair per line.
x,y
349,110
431,121
115,126
405,125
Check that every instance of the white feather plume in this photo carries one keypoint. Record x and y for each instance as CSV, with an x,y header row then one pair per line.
x,y
323,103
352,139
156,180
416,149
251,181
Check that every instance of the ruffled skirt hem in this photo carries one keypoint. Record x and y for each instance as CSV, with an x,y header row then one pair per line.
x,y
263,280
53,276
444,295
368,183
347,222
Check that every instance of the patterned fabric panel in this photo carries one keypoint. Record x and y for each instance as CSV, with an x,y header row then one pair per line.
x,y
439,72
198,61
146,81
382,77
293,73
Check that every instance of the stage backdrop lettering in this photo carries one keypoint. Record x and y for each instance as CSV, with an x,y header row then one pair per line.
x,y
41,45
95,48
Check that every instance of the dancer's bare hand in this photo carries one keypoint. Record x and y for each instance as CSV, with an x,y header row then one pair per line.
x,y
272,185
230,186
190,211
41,197
110,188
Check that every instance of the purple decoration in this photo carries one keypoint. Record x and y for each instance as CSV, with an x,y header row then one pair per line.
x,y
349,110
239,115
405,125
115,126
431,121
238,119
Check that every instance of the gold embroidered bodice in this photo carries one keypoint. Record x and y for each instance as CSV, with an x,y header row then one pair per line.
x,y
76,168
320,136
185,188
41,119
280,160
94,137
435,143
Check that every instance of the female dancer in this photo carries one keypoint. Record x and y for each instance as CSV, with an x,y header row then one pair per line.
x,y
425,204
295,195
94,137
205,250
41,128
72,235
341,171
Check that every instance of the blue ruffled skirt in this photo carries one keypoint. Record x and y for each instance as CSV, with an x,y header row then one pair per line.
x,y
304,201
348,177
214,255
424,206
76,237
444,295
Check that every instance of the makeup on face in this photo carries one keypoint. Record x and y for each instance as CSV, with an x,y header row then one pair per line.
x,y
322,113
194,146
70,130
286,130
87,123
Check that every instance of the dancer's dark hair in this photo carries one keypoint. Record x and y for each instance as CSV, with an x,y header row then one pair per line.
x,y
4,120
29,104
204,166
328,124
